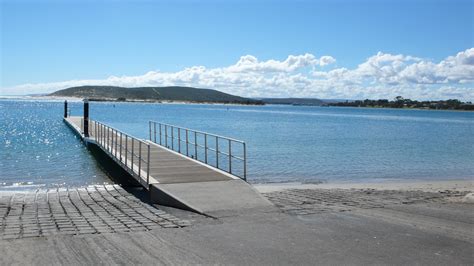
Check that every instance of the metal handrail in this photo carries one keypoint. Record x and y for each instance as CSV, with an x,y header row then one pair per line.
x,y
197,131
116,142
163,137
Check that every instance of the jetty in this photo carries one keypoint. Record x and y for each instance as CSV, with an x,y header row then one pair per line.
x,y
180,167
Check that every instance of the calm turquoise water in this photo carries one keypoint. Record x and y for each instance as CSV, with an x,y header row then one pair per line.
x,y
285,143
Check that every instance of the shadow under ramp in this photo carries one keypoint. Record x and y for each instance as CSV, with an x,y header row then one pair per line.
x,y
114,171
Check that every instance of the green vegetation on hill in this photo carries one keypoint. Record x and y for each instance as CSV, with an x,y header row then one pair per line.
x,y
174,93
400,102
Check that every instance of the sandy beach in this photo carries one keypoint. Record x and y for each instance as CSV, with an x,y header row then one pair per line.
x,y
427,186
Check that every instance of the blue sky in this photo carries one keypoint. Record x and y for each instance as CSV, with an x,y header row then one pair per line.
x,y
46,42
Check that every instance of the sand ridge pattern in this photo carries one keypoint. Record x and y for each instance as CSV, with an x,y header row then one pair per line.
x,y
311,201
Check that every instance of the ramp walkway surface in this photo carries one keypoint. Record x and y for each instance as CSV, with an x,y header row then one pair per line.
x,y
172,179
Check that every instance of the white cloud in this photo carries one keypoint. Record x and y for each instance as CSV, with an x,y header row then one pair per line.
x,y
249,63
454,69
326,60
380,76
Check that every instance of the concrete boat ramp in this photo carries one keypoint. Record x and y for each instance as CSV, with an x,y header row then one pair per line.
x,y
172,172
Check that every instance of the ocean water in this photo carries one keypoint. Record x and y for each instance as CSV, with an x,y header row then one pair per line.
x,y
284,143
37,148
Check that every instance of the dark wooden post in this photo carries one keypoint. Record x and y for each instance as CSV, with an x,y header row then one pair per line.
x,y
65,109
86,118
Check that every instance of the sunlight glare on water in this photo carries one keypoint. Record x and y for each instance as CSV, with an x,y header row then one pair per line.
x,y
38,149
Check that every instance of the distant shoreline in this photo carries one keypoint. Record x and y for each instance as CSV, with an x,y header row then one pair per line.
x,y
403,108
80,99
166,101
151,101
401,103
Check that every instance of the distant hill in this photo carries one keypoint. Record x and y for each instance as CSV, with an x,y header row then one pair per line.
x,y
173,93
294,101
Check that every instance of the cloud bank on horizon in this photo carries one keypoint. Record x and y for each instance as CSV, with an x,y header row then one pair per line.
x,y
382,75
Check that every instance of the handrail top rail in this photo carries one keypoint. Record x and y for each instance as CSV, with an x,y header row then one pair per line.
x,y
117,130
201,132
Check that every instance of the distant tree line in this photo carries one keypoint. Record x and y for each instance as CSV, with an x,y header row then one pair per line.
x,y
400,102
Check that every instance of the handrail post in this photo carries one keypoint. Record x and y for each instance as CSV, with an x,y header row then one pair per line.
x,y
86,118
166,136
187,148
116,143
172,138
105,137
179,139
108,138
195,146
245,162
140,160
121,136
111,142
205,148
131,157
230,156
154,131
149,130
65,109
217,152
160,133
126,149
148,166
